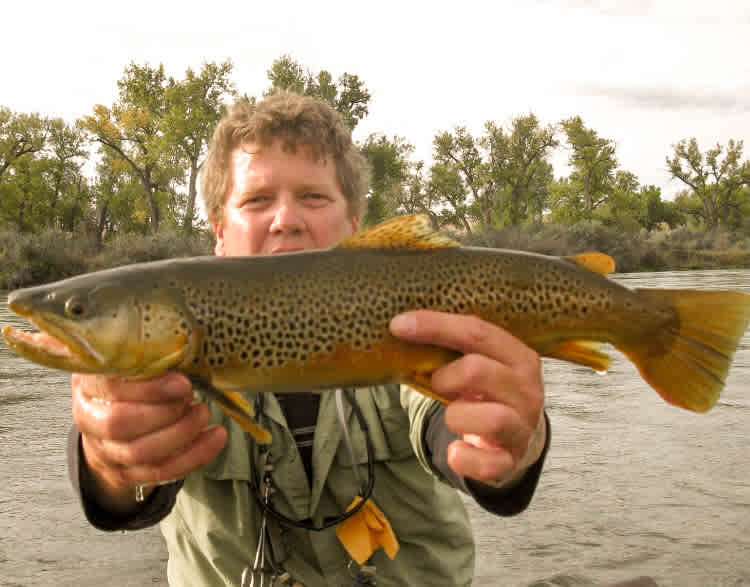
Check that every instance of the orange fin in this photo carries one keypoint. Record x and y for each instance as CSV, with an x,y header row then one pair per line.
x,y
402,232
687,363
366,531
236,407
424,388
582,352
242,412
596,262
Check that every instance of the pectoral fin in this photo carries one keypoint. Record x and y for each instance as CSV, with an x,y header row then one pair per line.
x,y
235,406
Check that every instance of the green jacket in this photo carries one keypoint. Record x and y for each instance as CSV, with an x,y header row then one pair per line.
x,y
213,528
211,520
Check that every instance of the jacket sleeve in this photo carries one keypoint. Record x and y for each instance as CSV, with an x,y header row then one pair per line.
x,y
430,438
152,511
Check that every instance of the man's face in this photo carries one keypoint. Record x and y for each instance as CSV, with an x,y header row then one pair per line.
x,y
281,202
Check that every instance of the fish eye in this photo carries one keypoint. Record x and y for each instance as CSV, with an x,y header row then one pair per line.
x,y
74,308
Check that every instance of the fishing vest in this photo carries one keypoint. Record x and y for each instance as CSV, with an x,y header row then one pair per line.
x,y
212,531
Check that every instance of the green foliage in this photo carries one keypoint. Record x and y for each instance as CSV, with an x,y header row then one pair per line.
x,y
459,179
492,186
518,169
348,95
498,179
20,135
124,248
48,255
593,161
565,202
44,186
29,259
390,172
717,183
194,107
130,131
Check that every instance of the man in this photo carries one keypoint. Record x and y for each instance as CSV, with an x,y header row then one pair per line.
x,y
285,176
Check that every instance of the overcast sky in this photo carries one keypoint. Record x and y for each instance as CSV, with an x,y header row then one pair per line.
x,y
645,73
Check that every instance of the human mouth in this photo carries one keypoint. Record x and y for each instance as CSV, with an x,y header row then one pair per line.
x,y
278,250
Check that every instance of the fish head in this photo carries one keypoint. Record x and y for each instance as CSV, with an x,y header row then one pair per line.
x,y
98,326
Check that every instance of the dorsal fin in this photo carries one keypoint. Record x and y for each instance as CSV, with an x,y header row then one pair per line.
x,y
596,262
403,232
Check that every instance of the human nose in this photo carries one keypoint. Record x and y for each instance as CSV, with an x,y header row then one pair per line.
x,y
286,219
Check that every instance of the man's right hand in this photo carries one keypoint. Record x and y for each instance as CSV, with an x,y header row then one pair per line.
x,y
140,433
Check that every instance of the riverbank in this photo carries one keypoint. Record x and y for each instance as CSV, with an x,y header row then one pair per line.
x,y
29,259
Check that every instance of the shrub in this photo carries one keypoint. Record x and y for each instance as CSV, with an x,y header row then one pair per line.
x,y
30,259
135,248
27,259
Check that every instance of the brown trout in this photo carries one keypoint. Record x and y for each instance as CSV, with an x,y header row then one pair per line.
x,y
319,319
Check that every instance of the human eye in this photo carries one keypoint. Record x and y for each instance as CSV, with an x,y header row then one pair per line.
x,y
315,197
255,200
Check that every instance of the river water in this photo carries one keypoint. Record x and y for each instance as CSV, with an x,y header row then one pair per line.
x,y
631,485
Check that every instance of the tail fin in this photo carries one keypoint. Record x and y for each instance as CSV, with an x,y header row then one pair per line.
x,y
688,362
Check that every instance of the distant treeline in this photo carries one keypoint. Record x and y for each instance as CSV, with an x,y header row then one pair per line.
x,y
127,173
29,259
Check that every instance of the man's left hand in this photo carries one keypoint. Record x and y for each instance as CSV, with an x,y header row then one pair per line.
x,y
495,391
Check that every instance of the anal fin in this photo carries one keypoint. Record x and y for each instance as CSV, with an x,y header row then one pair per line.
x,y
421,383
582,352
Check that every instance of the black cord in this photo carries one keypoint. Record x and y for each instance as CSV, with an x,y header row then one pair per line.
x,y
329,521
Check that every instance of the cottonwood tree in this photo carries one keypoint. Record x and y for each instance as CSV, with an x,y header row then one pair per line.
x,y
193,107
458,178
21,134
715,179
594,163
390,167
348,95
518,168
132,130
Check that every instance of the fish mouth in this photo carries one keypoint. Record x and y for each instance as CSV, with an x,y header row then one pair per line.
x,y
51,345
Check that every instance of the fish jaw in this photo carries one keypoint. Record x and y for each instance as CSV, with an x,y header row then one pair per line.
x,y
45,349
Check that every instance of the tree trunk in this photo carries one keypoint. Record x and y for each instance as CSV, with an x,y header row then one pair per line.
x,y
101,222
149,186
187,222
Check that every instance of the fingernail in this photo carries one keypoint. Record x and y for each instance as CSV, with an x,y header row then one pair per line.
x,y
404,325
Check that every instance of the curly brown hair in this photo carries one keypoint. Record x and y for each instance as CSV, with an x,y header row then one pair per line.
x,y
297,121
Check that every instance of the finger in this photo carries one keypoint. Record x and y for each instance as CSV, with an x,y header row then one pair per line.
x,y
466,334
125,421
478,377
168,387
493,424
482,464
156,447
207,445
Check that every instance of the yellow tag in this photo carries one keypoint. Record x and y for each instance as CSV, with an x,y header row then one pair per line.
x,y
366,531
